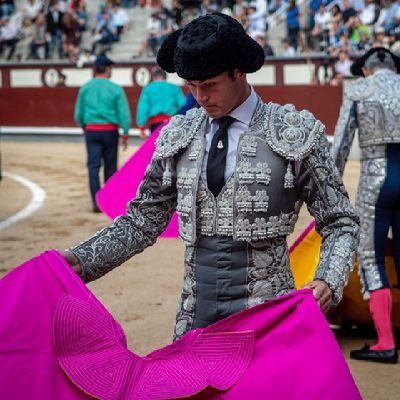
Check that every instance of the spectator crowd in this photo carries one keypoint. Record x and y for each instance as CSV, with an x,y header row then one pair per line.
x,y
51,29
342,29
348,28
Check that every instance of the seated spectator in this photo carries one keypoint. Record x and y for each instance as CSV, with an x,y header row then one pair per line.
x,y
105,34
71,36
100,14
40,38
159,26
394,42
336,15
192,9
368,14
8,36
120,19
6,9
288,50
164,15
153,35
358,5
227,11
348,11
364,44
380,39
391,16
238,8
344,44
320,33
207,6
257,14
81,16
18,17
343,64
356,27
260,38
33,8
25,37
334,35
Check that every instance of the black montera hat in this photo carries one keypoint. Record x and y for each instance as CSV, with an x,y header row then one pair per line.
x,y
209,46
376,57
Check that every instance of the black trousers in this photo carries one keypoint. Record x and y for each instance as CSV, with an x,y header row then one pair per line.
x,y
102,149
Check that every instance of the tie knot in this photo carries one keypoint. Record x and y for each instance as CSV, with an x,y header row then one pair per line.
x,y
225,122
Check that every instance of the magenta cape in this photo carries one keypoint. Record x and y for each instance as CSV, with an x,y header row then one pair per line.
x,y
58,342
113,197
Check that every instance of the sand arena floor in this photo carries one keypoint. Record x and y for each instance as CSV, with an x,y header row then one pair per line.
x,y
141,294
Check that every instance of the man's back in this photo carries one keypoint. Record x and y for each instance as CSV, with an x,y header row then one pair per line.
x,y
98,101
159,97
378,107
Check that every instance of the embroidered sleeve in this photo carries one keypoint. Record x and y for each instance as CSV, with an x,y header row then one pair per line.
x,y
320,185
344,132
146,218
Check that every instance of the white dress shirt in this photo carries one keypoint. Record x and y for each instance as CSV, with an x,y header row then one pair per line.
x,y
120,17
242,114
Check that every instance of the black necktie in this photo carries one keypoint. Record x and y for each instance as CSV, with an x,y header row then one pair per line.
x,y
217,156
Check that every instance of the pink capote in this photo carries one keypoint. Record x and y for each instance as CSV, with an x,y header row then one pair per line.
x,y
113,197
58,342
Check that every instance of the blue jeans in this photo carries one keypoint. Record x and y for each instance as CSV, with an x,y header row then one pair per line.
x,y
56,43
102,148
34,50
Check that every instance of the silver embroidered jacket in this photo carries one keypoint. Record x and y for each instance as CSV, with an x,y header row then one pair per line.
x,y
372,105
282,161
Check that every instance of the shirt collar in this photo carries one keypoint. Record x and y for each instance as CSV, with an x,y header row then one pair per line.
x,y
244,112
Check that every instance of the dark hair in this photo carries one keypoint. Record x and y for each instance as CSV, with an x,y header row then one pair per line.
x,y
100,69
381,55
158,73
231,73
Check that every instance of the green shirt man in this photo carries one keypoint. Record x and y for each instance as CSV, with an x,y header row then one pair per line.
x,y
101,109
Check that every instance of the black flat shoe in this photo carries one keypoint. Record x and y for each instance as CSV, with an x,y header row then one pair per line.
x,y
381,356
96,209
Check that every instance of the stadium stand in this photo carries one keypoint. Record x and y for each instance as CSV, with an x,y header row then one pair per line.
x,y
78,30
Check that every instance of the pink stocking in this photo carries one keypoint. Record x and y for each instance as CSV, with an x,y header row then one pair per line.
x,y
380,305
